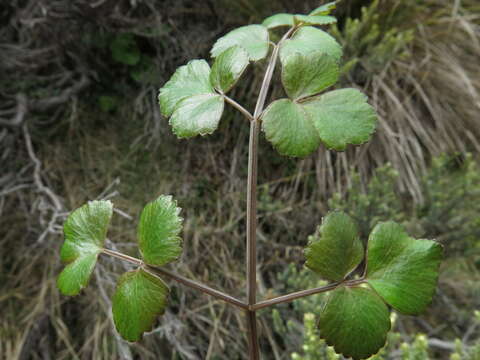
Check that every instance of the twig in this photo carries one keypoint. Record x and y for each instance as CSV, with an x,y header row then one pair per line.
x,y
36,173
46,104
20,112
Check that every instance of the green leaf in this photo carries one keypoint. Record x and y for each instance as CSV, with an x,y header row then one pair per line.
x,y
140,297
85,230
289,128
253,38
278,20
158,231
335,249
403,270
355,321
189,80
308,39
307,75
228,67
197,115
76,275
324,9
314,20
342,117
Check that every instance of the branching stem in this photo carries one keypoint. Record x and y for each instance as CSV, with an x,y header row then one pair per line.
x,y
252,202
302,293
239,107
178,278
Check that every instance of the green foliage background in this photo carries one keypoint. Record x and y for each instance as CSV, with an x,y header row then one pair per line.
x,y
90,72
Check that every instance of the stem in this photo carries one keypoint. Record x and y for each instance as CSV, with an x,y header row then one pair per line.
x,y
251,237
198,286
303,293
119,255
252,203
239,107
178,278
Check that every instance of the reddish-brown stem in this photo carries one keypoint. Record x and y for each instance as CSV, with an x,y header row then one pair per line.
x,y
180,279
254,349
302,293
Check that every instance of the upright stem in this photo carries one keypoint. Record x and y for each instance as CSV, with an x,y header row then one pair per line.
x,y
252,203
251,237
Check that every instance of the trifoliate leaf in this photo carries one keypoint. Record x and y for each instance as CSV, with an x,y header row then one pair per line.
x,y
308,39
402,270
140,297
309,74
289,128
314,20
189,80
335,249
158,231
324,9
85,230
253,38
197,115
278,20
228,67
355,321
342,117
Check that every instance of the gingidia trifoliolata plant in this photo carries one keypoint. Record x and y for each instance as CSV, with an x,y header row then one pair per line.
x,y
399,272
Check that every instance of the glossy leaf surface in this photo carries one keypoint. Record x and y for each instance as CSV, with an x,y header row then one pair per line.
x,y
314,20
188,80
355,321
324,9
307,75
308,39
278,20
335,249
288,127
253,38
228,67
342,117
140,297
158,231
197,115
85,230
403,270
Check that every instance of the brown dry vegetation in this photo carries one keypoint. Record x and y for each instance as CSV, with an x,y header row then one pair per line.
x,y
59,147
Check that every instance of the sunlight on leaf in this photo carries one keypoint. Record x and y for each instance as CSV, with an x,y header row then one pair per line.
x,y
253,38
85,230
189,80
228,67
158,231
308,39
